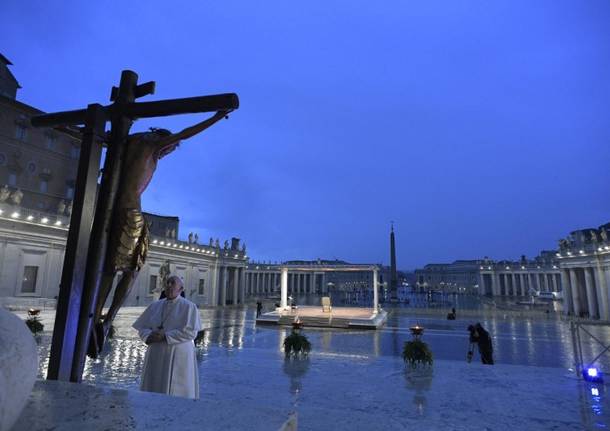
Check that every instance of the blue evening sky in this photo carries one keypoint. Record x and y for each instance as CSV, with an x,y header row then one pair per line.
x,y
481,128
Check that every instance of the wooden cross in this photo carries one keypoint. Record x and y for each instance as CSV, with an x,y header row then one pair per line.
x,y
91,218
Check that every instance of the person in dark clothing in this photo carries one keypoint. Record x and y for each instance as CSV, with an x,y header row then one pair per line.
x,y
472,342
451,316
259,308
485,346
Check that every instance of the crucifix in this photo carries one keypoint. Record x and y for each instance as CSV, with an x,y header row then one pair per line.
x,y
107,230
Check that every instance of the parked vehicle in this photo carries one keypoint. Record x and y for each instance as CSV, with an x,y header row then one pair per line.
x,y
550,296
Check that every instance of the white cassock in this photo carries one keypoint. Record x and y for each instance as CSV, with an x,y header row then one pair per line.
x,y
170,367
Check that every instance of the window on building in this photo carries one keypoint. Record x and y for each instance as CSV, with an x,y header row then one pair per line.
x,y
21,132
50,142
28,283
201,288
152,284
12,179
31,167
44,186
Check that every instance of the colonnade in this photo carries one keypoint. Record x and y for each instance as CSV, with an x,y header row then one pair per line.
x,y
587,290
519,283
262,282
228,286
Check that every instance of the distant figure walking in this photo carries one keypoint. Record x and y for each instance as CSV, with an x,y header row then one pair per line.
x,y
259,308
451,315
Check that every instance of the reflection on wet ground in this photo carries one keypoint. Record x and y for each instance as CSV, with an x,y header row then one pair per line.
x,y
545,342
356,370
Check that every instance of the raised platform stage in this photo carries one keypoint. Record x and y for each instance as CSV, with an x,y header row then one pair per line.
x,y
338,317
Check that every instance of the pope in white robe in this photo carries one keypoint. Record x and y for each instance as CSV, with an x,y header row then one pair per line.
x,y
168,327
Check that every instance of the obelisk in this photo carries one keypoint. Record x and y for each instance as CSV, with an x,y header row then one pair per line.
x,y
393,276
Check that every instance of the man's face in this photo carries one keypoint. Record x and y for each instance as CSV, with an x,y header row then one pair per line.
x,y
173,288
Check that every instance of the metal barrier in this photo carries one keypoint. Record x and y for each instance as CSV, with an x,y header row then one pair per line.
x,y
576,326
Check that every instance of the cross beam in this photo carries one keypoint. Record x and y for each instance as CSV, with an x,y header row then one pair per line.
x,y
135,110
91,217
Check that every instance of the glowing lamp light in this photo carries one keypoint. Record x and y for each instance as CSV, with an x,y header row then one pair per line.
x,y
15,215
58,223
162,243
592,374
1,211
558,254
30,218
569,253
181,246
44,220
155,241
595,392
581,251
175,245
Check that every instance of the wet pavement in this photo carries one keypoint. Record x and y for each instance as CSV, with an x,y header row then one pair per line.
x,y
362,372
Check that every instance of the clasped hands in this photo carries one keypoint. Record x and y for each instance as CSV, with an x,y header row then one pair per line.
x,y
156,337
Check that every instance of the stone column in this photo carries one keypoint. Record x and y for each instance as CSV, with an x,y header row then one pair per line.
x,y
242,285
602,292
481,284
531,285
591,297
575,292
567,292
554,280
235,285
545,282
284,288
375,293
312,277
495,285
223,287
522,284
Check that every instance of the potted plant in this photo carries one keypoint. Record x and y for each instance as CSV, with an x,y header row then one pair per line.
x,y
33,321
416,352
296,343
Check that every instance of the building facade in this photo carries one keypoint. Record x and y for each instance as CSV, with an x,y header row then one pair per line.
x,y
37,165
493,278
32,247
584,258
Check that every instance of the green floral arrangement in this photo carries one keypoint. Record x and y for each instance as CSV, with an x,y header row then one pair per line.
x,y
296,343
33,322
416,353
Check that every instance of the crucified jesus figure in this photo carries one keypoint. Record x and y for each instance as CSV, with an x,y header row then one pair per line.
x,y
128,244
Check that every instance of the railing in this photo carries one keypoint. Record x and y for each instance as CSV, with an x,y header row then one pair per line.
x,y
576,327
